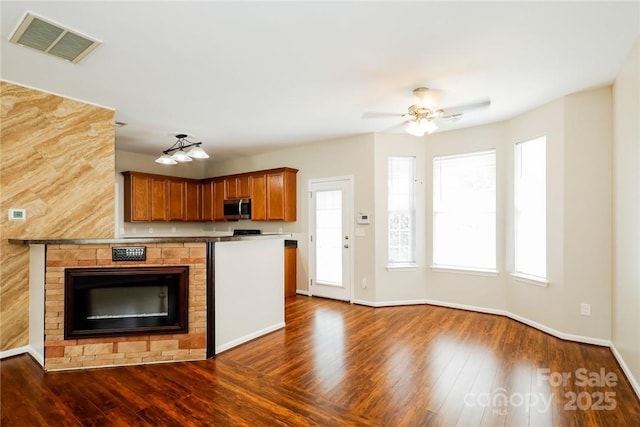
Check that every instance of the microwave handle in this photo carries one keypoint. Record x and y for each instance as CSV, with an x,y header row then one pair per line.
x,y
240,207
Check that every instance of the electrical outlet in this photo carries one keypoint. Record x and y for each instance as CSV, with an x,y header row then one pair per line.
x,y
173,229
150,229
364,283
585,309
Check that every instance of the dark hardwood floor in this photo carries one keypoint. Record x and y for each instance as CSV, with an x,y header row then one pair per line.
x,y
338,364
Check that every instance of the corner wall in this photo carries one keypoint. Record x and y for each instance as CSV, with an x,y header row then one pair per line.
x,y
57,161
626,187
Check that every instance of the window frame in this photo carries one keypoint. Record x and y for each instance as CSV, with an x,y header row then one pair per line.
x,y
523,276
413,263
462,269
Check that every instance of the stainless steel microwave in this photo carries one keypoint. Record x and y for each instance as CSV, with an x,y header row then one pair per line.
x,y
237,209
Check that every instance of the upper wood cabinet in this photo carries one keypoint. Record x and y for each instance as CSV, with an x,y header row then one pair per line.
x,y
137,197
212,200
149,197
237,187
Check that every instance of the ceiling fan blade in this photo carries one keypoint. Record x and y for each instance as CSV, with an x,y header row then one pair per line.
x,y
378,115
395,128
452,111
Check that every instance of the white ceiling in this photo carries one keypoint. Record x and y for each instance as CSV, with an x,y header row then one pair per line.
x,y
246,77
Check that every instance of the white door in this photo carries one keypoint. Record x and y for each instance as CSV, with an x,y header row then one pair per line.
x,y
330,226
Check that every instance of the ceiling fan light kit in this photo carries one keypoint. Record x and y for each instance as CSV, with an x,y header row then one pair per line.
x,y
423,117
180,155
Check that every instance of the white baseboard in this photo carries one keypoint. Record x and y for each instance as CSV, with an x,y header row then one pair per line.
x,y
14,351
626,370
22,350
226,346
301,292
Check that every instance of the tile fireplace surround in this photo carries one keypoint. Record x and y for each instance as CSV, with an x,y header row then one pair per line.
x,y
62,354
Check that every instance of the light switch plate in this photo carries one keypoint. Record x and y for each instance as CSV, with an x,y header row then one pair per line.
x,y
17,214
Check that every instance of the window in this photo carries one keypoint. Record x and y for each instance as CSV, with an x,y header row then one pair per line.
x,y
464,211
402,211
531,208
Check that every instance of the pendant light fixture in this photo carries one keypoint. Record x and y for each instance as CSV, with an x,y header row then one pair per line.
x,y
180,155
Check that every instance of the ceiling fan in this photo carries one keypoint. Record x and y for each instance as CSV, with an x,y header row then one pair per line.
x,y
423,116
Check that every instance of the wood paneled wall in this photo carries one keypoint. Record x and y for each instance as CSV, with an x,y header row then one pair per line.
x,y
57,160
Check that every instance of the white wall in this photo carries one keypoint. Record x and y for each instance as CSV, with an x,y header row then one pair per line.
x,y
626,283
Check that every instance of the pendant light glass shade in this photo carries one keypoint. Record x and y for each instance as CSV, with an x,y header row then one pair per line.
x,y
166,159
181,156
197,153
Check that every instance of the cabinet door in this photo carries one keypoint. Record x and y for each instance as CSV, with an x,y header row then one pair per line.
x,y
218,200
193,201
137,198
176,200
207,201
258,197
159,192
275,196
243,186
290,272
230,188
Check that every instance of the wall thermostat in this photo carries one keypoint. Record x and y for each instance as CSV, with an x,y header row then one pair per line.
x,y
362,218
17,214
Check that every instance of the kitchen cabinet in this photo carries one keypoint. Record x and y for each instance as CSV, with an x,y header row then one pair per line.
x,y
259,197
149,197
290,268
176,211
237,187
273,195
212,200
193,201
137,197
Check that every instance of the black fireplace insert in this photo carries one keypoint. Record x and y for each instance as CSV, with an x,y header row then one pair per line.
x,y
124,301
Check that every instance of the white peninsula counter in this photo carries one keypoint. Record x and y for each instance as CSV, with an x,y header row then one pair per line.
x,y
249,290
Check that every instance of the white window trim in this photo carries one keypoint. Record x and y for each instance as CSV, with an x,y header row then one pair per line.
x,y
531,280
489,272
412,265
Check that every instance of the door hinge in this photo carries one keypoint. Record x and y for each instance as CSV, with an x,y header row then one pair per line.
x,y
311,194
311,237
311,282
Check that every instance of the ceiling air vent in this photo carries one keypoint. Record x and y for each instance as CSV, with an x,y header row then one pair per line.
x,y
48,37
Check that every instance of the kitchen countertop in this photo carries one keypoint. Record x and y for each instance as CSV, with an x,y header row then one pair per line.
x,y
158,239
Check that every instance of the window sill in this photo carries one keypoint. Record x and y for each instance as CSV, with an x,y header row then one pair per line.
x,y
402,267
465,270
531,280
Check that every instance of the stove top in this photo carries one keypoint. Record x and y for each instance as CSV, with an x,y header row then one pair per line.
x,y
245,232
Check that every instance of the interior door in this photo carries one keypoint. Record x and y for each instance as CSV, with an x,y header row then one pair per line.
x,y
330,238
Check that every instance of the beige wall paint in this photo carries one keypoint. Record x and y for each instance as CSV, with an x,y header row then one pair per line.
x,y
540,304
587,209
57,163
458,288
398,285
626,264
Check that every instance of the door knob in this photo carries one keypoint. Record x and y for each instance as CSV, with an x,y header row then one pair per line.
x,y
346,246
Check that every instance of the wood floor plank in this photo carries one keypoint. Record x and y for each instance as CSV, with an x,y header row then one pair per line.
x,y
340,364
